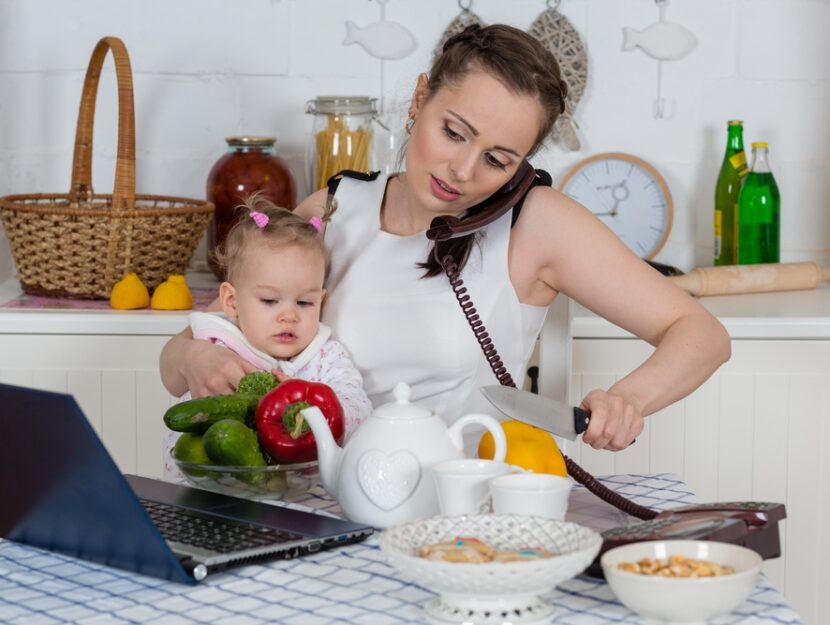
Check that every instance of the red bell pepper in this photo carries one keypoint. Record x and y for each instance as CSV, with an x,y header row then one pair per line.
x,y
283,433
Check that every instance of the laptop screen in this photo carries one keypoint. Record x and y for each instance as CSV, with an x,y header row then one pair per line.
x,y
63,492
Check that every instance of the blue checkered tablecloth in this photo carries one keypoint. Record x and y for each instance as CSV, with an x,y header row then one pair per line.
x,y
351,585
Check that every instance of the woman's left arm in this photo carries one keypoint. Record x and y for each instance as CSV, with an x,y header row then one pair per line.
x,y
557,245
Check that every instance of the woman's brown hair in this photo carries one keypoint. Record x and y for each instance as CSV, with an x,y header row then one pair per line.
x,y
524,66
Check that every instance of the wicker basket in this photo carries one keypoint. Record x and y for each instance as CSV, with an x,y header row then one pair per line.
x,y
80,243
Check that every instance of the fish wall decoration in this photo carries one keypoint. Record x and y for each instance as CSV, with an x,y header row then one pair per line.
x,y
383,39
664,41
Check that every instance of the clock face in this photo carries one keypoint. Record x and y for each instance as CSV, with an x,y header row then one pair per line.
x,y
626,193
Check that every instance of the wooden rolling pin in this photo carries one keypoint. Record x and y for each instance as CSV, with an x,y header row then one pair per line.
x,y
732,279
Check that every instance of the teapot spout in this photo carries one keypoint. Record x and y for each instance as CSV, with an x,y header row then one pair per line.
x,y
329,453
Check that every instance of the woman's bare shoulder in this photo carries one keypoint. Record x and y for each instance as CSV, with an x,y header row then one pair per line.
x,y
313,205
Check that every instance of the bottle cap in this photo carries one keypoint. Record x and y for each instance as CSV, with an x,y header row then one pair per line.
x,y
760,144
735,122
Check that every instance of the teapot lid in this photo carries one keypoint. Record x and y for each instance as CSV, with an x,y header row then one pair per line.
x,y
401,407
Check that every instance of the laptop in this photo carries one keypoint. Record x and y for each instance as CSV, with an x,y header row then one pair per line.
x,y
61,491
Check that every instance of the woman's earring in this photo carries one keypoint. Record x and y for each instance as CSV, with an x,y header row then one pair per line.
x,y
410,124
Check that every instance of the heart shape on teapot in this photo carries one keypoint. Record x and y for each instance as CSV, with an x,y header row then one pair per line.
x,y
388,479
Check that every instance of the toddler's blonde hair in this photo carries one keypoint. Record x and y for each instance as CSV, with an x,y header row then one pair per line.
x,y
283,229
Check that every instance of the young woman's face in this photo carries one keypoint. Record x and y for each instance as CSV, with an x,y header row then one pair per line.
x,y
467,141
277,298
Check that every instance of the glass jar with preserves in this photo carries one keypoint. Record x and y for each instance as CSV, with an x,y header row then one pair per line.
x,y
250,164
343,136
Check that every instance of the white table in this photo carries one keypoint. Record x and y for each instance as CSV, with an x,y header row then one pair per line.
x,y
351,585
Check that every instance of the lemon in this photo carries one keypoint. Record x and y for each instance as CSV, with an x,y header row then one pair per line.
x,y
172,294
129,293
527,447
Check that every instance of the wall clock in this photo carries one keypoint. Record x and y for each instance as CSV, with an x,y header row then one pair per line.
x,y
626,193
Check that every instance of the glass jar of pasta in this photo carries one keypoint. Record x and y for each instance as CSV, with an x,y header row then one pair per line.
x,y
343,136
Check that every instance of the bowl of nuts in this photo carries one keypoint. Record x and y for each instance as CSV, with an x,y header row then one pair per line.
x,y
681,581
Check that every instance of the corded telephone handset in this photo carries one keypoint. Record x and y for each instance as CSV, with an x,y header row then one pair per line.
x,y
752,524
450,227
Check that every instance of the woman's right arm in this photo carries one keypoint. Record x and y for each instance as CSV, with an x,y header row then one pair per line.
x,y
200,366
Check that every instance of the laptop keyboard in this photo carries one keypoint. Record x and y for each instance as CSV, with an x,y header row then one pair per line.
x,y
215,534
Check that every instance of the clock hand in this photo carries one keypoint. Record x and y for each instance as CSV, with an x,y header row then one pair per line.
x,y
619,198
612,212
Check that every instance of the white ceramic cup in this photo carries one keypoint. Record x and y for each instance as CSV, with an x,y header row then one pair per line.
x,y
462,484
531,494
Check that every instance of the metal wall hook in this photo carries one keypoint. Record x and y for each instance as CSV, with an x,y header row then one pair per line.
x,y
553,5
465,6
661,8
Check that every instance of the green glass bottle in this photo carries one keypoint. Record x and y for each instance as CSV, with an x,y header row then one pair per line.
x,y
727,190
759,212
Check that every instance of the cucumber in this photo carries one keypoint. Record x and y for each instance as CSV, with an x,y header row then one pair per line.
x,y
232,443
197,415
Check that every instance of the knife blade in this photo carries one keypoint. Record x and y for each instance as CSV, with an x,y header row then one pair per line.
x,y
541,412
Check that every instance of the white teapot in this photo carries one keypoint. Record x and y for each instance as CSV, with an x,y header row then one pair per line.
x,y
381,476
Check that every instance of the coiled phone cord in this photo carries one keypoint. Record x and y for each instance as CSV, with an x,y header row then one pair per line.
x,y
574,470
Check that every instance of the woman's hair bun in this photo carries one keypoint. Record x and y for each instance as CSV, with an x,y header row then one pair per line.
x,y
473,34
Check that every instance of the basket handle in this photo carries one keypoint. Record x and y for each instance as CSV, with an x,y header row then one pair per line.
x,y
124,185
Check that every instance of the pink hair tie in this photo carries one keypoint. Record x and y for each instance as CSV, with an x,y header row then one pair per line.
x,y
260,219
317,223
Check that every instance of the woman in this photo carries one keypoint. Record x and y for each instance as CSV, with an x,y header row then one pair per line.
x,y
488,102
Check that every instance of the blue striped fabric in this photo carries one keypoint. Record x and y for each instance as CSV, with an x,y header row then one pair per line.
x,y
351,585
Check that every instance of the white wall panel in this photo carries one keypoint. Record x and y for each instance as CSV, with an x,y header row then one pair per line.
x,y
803,494
770,447
735,435
754,431
667,451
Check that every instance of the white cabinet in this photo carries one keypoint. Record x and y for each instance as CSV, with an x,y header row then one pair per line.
x,y
754,431
109,360
115,380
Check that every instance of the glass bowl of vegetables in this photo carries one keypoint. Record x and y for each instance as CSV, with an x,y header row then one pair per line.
x,y
284,482
253,443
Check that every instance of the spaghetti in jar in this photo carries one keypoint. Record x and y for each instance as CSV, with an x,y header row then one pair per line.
x,y
341,137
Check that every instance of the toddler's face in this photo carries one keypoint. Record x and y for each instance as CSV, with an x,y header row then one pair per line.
x,y
277,298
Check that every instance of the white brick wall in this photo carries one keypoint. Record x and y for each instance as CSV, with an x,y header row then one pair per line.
x,y
207,69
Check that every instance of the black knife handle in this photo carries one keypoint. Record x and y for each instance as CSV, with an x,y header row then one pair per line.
x,y
581,420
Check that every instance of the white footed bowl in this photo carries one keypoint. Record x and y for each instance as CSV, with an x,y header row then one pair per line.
x,y
491,592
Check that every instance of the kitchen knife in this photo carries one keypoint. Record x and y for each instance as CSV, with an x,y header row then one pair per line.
x,y
541,412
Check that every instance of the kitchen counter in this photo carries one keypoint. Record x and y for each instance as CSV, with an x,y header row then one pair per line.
x,y
780,315
23,314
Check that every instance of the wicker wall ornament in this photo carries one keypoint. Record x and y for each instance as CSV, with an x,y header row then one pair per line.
x,y
461,21
557,34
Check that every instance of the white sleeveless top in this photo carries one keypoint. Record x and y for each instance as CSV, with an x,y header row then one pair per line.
x,y
400,327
